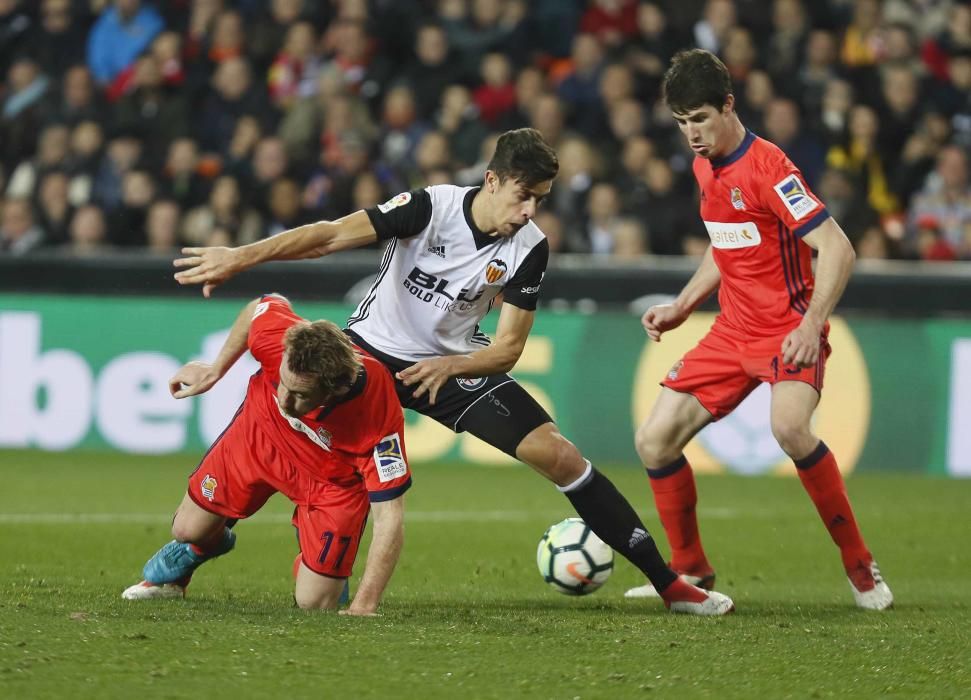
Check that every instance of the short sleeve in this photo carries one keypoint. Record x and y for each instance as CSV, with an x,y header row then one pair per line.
x,y
522,289
387,474
404,215
786,194
271,318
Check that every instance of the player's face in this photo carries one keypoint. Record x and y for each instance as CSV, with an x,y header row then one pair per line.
x,y
298,394
514,203
708,130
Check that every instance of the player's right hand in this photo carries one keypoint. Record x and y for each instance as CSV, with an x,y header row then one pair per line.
x,y
192,379
663,317
209,267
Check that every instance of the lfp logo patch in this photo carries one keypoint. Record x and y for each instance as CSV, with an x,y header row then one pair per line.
x,y
397,201
389,458
495,270
209,485
795,196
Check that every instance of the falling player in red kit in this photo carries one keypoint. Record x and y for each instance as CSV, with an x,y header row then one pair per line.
x,y
764,224
320,424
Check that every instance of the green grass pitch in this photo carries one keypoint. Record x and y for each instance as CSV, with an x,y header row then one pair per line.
x,y
467,615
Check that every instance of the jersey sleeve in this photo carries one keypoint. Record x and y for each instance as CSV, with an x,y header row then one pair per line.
x,y
522,289
404,215
387,475
785,193
271,318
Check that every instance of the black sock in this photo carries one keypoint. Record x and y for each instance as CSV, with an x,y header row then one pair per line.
x,y
609,515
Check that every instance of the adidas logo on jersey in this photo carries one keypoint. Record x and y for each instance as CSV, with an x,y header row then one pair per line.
x,y
438,250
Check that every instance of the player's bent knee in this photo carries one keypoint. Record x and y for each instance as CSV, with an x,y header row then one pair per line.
x,y
551,454
652,448
318,599
311,603
795,440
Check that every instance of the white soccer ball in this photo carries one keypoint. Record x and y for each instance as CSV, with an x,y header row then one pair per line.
x,y
572,559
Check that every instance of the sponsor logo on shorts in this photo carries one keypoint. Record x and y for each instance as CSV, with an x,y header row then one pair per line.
x,y
795,196
676,370
208,486
732,236
737,200
389,458
471,383
397,201
495,270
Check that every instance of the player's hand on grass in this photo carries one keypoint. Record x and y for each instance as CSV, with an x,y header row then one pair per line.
x,y
429,375
194,378
663,317
209,267
359,611
801,346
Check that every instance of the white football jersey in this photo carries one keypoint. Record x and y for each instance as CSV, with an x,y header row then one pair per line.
x,y
440,275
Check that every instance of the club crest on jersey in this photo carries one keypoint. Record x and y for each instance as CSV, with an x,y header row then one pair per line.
x,y
737,200
470,383
396,201
325,436
795,196
676,370
389,458
495,270
208,487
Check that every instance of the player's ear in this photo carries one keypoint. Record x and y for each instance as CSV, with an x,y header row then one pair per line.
x,y
491,182
729,105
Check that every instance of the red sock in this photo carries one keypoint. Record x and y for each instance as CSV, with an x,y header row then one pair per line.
x,y
823,482
675,497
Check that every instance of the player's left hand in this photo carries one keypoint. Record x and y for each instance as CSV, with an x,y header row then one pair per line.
x,y
429,375
192,379
801,346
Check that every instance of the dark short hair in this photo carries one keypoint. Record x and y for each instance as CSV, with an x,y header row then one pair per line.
x,y
523,155
321,349
696,78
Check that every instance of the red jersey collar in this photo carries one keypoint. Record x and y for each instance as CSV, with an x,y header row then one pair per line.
x,y
737,153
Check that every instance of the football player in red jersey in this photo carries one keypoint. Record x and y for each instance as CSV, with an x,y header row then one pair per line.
x,y
764,224
321,424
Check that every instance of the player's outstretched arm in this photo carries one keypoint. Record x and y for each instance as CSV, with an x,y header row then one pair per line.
x,y
199,377
211,267
658,319
499,357
834,265
382,556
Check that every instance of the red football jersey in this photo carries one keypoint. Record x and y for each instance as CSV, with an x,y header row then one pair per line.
x,y
360,437
757,207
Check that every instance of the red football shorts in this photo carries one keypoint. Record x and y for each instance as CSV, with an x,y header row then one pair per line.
x,y
243,469
721,370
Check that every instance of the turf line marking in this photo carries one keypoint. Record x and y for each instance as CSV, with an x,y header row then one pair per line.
x,y
420,516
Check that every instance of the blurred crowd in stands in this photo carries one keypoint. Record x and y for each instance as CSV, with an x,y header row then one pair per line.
x,y
153,125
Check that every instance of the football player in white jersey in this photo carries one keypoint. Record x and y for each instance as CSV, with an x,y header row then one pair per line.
x,y
451,251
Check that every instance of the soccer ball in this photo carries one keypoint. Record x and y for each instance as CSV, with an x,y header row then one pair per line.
x,y
572,559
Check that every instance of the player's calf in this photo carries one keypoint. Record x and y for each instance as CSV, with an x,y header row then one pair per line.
x,y
176,561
